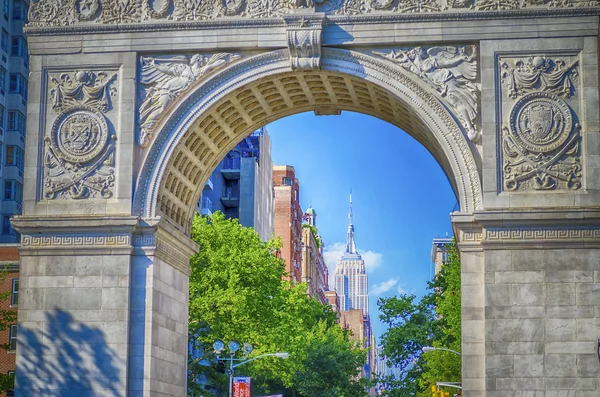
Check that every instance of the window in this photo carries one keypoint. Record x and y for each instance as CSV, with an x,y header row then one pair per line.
x,y
16,122
19,47
2,80
6,227
14,296
12,340
4,40
6,7
15,156
287,181
13,190
10,155
17,14
18,85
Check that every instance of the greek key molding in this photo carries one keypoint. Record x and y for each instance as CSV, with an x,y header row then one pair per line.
x,y
533,233
68,240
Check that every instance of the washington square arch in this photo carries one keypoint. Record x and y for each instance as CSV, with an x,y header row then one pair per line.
x,y
132,103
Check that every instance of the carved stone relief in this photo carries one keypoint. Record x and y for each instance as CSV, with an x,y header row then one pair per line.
x,y
304,39
541,133
69,12
452,72
79,147
166,78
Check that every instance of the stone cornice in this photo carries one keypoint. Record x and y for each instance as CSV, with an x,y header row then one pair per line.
x,y
226,23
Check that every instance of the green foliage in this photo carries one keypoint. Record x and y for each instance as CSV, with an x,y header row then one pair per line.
x,y
435,320
237,292
8,316
315,233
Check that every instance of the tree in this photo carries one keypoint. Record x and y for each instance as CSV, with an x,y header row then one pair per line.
x,y
238,291
435,320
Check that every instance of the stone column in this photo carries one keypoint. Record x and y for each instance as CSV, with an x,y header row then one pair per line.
x,y
531,287
103,307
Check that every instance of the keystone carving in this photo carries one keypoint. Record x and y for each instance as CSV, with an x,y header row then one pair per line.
x,y
304,39
452,72
82,88
166,78
44,13
541,141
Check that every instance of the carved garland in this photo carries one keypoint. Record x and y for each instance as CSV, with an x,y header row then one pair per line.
x,y
71,12
79,148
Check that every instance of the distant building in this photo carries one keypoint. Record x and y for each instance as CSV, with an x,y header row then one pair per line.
x,y
334,301
350,274
439,252
288,219
14,70
314,270
241,185
351,285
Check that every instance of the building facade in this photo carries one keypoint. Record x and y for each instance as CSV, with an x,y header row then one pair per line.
x,y
14,72
288,219
241,185
439,252
314,269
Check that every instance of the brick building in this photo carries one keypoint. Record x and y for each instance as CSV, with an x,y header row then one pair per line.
x,y
288,219
9,260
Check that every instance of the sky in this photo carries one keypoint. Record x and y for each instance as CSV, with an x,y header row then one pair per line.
x,y
401,197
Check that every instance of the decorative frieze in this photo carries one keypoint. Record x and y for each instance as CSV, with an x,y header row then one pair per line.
x,y
540,143
75,12
452,72
78,159
165,78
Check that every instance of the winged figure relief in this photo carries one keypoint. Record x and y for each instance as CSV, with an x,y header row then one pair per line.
x,y
166,78
452,71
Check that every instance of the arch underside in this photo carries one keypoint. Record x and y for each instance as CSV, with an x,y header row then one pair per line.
x,y
239,112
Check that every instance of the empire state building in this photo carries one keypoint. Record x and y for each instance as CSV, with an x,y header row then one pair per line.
x,y
350,274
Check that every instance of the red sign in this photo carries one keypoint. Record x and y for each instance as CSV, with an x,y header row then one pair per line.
x,y
241,387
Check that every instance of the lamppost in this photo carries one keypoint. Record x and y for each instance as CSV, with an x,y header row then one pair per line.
x,y
234,346
427,349
456,385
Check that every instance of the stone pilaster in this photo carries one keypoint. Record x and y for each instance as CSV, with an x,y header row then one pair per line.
x,y
103,307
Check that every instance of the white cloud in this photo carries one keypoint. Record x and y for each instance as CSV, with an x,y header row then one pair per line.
x,y
403,291
334,251
383,287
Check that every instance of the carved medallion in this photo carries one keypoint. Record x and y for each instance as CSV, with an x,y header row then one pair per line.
x,y
541,122
80,134
78,156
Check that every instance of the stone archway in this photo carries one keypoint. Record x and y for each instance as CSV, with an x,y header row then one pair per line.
x,y
116,156
258,90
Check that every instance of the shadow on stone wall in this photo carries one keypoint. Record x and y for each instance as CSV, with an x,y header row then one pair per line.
x,y
67,358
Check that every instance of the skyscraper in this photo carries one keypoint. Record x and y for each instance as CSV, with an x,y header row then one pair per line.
x,y
350,275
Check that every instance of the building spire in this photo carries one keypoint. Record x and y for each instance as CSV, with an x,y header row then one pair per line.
x,y
350,243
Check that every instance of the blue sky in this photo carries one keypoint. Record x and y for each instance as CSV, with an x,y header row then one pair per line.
x,y
402,198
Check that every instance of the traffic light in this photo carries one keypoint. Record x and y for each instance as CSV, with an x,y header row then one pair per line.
x,y
436,392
